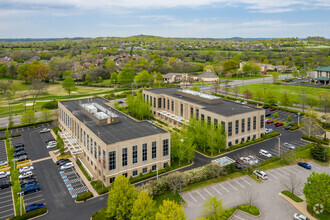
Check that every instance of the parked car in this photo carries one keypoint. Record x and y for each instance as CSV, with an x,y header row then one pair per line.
x,y
244,103
238,101
25,175
121,102
28,180
34,207
253,159
3,163
67,166
18,149
269,121
51,145
270,130
268,114
265,107
278,124
272,109
4,174
291,146
26,169
288,127
305,165
298,216
18,145
49,140
62,162
240,164
20,153
45,130
23,186
5,184
21,158
260,174
265,153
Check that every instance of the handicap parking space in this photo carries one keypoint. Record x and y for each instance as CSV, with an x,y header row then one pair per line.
x,y
73,182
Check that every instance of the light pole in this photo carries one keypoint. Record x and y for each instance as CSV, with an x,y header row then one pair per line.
x,y
298,118
279,146
180,190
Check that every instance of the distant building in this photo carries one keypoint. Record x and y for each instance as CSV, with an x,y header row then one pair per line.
x,y
174,77
208,76
323,75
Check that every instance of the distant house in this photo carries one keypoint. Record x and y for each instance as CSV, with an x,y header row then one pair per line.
x,y
174,77
208,76
264,66
323,75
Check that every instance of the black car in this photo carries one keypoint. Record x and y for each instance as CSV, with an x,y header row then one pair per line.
x,y
49,140
265,107
268,114
19,149
5,184
62,162
18,145
28,180
20,153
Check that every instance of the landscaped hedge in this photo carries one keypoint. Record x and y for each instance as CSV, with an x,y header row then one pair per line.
x,y
146,176
83,170
315,139
51,105
30,214
56,129
292,196
84,196
295,126
99,187
26,125
14,135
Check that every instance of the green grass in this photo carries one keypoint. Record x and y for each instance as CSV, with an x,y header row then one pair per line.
x,y
168,196
293,90
99,215
292,196
246,208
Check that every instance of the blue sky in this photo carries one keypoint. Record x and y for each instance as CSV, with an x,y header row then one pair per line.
x,y
168,18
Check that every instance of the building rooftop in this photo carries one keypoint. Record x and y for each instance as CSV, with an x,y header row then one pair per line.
x,y
126,129
225,107
208,74
323,68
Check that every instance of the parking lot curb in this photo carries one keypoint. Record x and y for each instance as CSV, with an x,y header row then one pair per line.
x,y
239,210
40,215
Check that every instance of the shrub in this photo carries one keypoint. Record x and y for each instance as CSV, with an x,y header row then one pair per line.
x,y
292,196
146,176
84,196
56,129
50,105
99,187
83,170
315,139
30,214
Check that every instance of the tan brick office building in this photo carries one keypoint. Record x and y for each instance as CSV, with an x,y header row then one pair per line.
x,y
110,142
174,105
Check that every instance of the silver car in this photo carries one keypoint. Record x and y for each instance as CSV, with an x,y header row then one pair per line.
x,y
3,163
291,146
298,216
4,174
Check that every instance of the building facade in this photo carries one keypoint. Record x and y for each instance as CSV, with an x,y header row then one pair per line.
x,y
177,106
111,142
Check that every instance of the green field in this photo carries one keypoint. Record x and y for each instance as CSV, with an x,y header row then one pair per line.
x,y
294,91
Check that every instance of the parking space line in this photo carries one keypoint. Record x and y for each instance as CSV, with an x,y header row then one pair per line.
x,y
32,197
246,181
223,187
7,210
192,197
208,192
284,172
232,186
315,166
296,169
200,194
5,193
6,201
5,216
239,183
40,200
272,175
216,190
278,173
3,206
238,217
288,169
5,196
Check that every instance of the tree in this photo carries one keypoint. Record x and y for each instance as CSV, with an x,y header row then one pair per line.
x,y
46,114
270,98
311,127
208,68
159,77
236,90
289,118
137,107
303,99
318,152
69,85
121,199
295,73
255,68
173,180
37,88
113,78
110,67
12,70
5,85
275,115
3,71
247,68
317,190
275,76
213,208
195,88
324,101
10,121
126,76
312,102
22,72
247,94
170,210
143,207
249,196
259,95
230,65
28,117
303,73
143,78
291,183
37,71
58,66
285,100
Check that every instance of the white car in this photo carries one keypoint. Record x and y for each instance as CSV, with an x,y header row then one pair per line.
x,y
298,216
45,130
265,153
3,163
266,130
253,160
4,174
51,145
246,160
291,146
260,174
244,103
25,175
26,169
238,101
67,166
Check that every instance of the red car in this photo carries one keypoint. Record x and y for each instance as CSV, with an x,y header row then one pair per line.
x,y
269,121
278,124
271,109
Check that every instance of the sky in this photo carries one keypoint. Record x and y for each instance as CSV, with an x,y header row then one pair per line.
x,y
166,18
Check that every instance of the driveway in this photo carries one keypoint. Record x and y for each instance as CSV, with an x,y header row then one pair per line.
x,y
233,192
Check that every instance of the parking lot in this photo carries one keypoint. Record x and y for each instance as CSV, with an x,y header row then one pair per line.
x,y
6,200
272,206
282,115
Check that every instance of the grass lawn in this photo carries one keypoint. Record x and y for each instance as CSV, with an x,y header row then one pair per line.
x,y
293,90
242,78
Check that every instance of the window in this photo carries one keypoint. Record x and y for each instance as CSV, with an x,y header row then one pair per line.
x,y
209,120
95,153
164,103
236,126
242,140
154,149
230,129
91,146
165,164
254,136
103,159
151,100
154,102
168,104
249,124
144,152
197,113
236,141
125,174
243,125
144,97
191,112
99,154
229,144
87,142
112,179
223,125
262,121
81,137
135,173
215,122
154,167
165,147
144,170
202,117
181,110
254,122
85,139
159,102
135,159
248,138
112,160
124,156
172,105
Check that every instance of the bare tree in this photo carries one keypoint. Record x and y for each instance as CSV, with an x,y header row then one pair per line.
x,y
216,170
174,180
311,127
215,86
37,88
249,196
236,90
5,85
291,183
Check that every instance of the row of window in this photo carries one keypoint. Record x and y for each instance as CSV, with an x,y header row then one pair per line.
x,y
242,140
